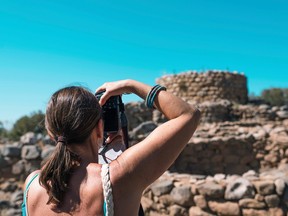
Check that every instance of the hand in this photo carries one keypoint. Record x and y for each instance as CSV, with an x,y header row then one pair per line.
x,y
114,138
112,89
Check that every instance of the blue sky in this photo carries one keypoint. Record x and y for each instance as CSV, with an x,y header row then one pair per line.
x,y
49,44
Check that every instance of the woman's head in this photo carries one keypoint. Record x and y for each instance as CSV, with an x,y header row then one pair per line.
x,y
71,115
72,112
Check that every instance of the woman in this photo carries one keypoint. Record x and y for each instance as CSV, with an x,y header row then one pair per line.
x,y
71,181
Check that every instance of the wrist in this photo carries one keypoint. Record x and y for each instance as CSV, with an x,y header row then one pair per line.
x,y
138,88
130,86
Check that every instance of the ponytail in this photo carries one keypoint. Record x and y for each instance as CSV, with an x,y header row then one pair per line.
x,y
71,115
56,172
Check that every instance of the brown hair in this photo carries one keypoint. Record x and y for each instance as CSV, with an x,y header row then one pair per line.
x,y
71,114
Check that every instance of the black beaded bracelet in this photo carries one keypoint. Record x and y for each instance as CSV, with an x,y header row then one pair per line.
x,y
148,98
152,95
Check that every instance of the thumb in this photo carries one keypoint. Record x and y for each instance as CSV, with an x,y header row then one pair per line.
x,y
103,98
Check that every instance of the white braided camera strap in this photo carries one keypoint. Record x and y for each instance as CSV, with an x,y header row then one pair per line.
x,y
107,190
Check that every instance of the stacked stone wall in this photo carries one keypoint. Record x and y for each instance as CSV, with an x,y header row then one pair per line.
x,y
207,86
251,194
256,137
234,148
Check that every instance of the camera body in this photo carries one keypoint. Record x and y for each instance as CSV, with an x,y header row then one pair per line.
x,y
111,113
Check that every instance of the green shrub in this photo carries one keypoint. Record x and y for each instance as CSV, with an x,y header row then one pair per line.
x,y
34,122
275,96
3,131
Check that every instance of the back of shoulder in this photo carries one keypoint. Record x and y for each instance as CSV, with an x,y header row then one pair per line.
x,y
30,178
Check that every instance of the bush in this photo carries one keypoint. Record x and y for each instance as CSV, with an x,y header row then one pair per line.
x,y
275,96
33,122
3,131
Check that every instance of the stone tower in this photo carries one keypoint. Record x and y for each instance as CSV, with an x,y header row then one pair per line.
x,y
207,86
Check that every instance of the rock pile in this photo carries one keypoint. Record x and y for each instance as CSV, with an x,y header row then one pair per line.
x,y
259,113
11,195
224,110
234,148
137,113
21,158
251,194
17,160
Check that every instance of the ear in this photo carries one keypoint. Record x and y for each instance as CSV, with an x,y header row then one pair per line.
x,y
100,129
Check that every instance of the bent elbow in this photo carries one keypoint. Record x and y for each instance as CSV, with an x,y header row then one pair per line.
x,y
196,114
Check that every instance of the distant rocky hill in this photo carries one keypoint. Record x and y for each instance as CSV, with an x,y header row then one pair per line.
x,y
235,164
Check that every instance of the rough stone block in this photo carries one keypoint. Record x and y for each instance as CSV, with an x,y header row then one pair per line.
x,y
264,187
196,211
251,203
211,189
182,195
30,152
17,198
177,210
238,189
200,201
276,212
272,201
225,208
19,167
279,186
11,151
161,187
28,138
254,212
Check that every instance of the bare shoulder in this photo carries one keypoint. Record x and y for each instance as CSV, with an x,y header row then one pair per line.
x,y
30,176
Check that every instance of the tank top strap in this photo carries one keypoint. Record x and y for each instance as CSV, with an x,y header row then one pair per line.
x,y
24,204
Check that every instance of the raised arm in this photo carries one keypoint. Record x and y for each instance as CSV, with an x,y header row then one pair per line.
x,y
149,159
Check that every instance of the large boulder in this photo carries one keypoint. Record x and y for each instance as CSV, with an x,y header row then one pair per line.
x,y
137,112
283,114
177,210
143,129
200,201
30,152
211,189
19,167
161,187
215,111
265,187
3,162
272,201
11,151
279,186
28,138
182,195
196,211
225,208
251,203
238,189
17,198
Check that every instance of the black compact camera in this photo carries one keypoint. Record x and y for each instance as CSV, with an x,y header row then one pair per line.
x,y
114,117
111,112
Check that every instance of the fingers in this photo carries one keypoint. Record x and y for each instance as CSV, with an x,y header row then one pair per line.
x,y
113,137
101,88
111,89
104,98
